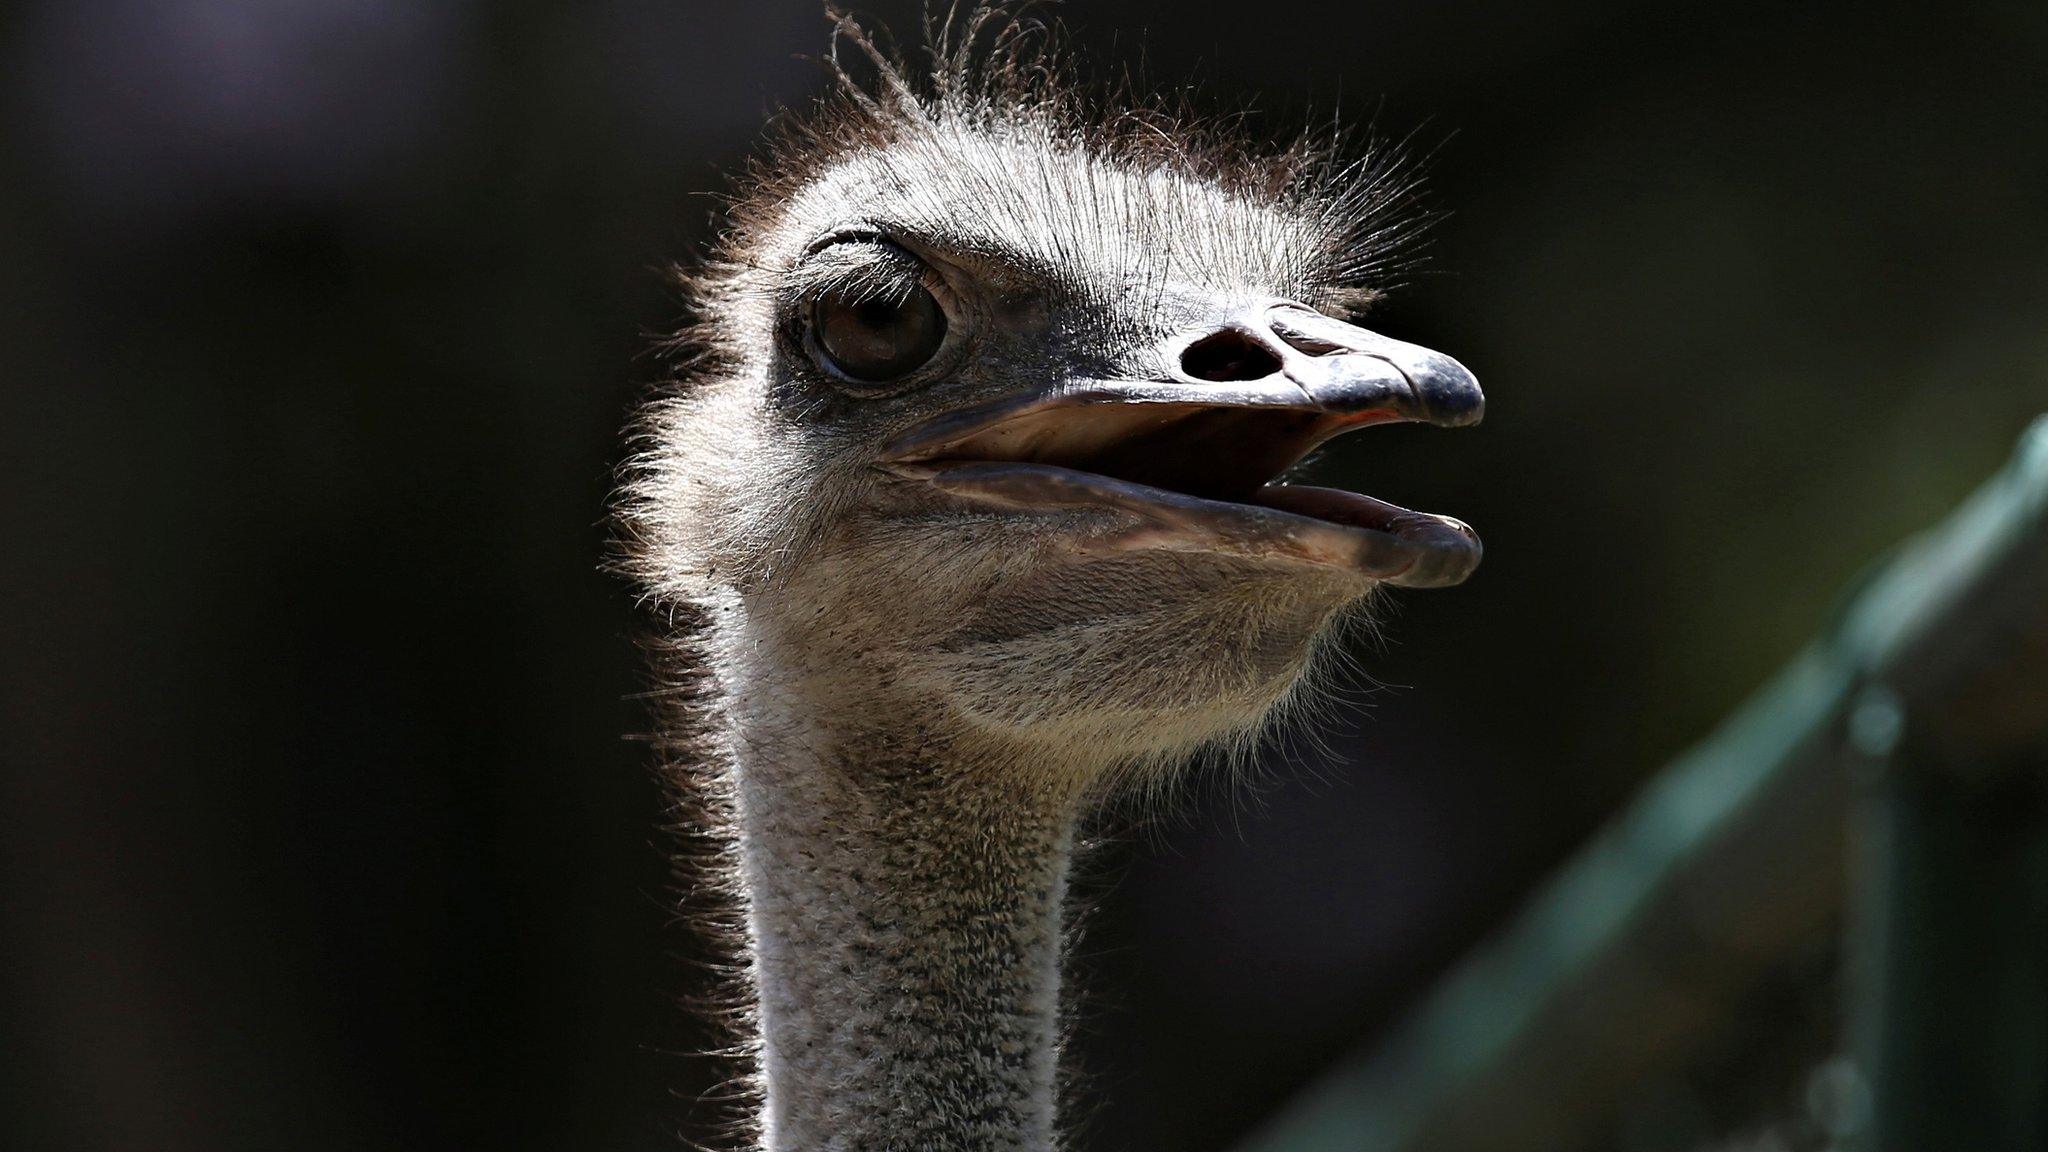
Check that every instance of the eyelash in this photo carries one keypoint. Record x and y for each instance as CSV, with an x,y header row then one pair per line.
x,y
885,269
870,264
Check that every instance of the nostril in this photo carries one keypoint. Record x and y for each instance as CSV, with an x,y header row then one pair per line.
x,y
1229,355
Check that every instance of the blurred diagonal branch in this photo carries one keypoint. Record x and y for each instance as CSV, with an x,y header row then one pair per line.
x,y
1630,959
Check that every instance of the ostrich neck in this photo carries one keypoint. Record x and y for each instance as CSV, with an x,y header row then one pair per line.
x,y
905,912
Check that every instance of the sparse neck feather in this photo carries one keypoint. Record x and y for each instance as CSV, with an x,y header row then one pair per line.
x,y
905,900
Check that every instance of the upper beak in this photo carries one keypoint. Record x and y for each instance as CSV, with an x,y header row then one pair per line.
x,y
1239,404
1344,375
1345,368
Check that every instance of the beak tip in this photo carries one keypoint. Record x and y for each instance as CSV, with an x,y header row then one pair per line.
x,y
1450,393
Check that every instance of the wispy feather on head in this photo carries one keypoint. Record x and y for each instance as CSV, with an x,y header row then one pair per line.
x,y
1002,71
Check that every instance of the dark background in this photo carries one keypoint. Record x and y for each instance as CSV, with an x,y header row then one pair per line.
x,y
319,319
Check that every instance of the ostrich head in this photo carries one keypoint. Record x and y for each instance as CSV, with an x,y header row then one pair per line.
x,y
991,404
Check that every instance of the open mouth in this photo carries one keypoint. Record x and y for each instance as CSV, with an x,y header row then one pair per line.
x,y
1200,467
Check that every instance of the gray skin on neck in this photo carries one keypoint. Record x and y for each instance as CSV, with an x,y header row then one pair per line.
x,y
922,684
907,947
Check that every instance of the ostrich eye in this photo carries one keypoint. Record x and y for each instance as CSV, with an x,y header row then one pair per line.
x,y
874,339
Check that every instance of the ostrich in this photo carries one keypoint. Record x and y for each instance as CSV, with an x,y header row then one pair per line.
x,y
963,516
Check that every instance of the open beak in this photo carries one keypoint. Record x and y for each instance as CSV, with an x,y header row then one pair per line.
x,y
1196,459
